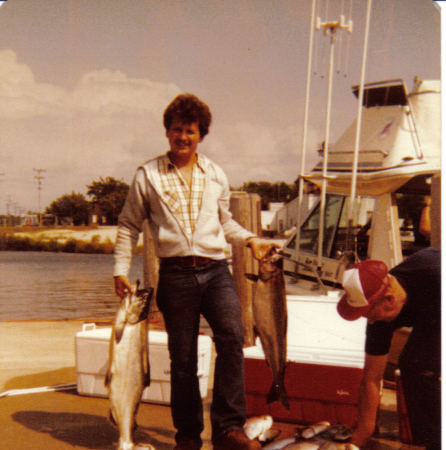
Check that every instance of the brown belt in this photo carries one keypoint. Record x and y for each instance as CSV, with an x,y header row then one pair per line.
x,y
186,261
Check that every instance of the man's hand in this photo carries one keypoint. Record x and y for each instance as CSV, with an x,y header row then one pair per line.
x,y
369,398
260,247
122,285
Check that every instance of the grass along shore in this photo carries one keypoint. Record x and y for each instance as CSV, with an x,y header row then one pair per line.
x,y
70,239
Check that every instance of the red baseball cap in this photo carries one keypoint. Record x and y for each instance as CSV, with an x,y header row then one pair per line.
x,y
364,283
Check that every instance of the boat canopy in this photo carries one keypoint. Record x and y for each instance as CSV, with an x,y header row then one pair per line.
x,y
400,139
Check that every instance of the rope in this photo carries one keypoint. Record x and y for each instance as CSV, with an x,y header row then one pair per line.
x,y
58,387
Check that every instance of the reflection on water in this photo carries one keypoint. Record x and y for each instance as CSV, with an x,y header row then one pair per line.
x,y
41,285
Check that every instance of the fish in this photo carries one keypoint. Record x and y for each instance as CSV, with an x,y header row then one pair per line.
x,y
303,445
315,429
129,369
257,427
330,445
270,320
318,444
337,433
278,445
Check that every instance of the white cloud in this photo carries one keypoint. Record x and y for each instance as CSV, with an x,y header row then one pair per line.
x,y
20,96
249,152
107,126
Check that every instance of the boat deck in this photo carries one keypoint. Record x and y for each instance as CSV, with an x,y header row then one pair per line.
x,y
42,353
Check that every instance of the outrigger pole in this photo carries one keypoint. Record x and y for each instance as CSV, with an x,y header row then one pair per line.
x,y
329,27
358,132
304,135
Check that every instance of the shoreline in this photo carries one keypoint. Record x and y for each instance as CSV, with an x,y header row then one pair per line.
x,y
82,233
82,239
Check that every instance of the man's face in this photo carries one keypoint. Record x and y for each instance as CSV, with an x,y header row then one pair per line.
x,y
183,138
388,308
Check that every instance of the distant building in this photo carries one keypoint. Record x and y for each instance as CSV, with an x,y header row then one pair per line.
x,y
96,215
28,220
268,217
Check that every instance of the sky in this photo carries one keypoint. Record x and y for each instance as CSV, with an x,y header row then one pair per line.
x,y
84,83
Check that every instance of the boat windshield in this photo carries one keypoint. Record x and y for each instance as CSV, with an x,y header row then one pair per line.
x,y
335,227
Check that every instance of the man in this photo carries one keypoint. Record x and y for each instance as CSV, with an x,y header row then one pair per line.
x,y
185,198
406,296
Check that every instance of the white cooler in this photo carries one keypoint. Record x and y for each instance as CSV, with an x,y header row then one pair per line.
x,y
92,354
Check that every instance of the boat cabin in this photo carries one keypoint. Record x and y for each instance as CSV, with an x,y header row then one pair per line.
x,y
398,171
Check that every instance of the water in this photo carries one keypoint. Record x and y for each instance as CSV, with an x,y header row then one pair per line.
x,y
44,285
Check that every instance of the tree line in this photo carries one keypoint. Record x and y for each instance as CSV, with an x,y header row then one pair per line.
x,y
107,197
279,192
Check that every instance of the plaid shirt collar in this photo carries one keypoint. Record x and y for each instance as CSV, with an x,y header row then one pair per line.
x,y
167,165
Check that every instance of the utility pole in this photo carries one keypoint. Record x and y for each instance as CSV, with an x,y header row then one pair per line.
x,y
1,174
8,204
39,188
2,221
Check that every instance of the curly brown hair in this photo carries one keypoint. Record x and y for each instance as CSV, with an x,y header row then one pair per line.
x,y
187,108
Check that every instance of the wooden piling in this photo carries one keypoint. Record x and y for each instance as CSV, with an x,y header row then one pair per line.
x,y
151,268
245,209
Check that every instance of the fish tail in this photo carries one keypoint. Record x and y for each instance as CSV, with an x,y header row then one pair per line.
x,y
107,379
111,418
278,393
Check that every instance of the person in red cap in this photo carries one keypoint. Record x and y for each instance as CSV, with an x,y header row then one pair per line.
x,y
409,295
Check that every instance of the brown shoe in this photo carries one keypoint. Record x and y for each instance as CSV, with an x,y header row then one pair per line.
x,y
187,444
236,440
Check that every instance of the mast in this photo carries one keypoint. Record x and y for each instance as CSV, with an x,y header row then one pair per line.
x,y
329,27
304,136
358,132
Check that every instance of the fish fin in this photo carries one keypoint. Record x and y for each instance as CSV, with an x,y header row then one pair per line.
x,y
146,368
147,380
120,319
252,277
111,418
108,378
119,331
147,293
278,393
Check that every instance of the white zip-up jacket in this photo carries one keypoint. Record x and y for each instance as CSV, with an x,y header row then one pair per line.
x,y
146,200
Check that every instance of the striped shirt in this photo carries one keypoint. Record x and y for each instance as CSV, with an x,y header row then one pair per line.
x,y
184,202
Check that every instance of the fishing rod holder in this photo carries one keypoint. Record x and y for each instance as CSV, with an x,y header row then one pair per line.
x,y
306,267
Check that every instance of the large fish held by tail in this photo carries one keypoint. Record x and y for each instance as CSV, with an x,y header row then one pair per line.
x,y
270,320
129,370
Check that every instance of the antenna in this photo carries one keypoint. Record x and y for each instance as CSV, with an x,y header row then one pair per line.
x,y
329,28
39,188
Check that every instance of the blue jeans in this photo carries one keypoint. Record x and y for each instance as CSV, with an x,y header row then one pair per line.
x,y
183,294
420,365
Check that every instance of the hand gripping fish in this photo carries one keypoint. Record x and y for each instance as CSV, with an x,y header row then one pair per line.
x,y
129,370
270,320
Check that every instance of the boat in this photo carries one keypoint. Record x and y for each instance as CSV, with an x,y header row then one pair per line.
x,y
389,153
399,154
